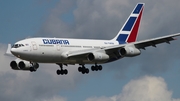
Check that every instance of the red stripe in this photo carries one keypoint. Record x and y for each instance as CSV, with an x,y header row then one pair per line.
x,y
133,34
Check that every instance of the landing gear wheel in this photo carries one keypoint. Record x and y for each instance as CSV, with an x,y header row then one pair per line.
x,y
92,68
99,67
58,72
65,72
83,71
80,69
96,68
87,70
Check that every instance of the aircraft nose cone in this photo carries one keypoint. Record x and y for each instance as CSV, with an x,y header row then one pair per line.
x,y
14,51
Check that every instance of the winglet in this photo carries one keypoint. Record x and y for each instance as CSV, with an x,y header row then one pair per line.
x,y
129,31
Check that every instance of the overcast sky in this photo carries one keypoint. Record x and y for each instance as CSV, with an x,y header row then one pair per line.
x,y
152,76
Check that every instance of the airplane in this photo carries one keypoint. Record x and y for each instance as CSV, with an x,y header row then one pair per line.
x,y
64,51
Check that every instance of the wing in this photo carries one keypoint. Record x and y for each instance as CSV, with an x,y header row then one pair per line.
x,y
145,43
111,49
153,42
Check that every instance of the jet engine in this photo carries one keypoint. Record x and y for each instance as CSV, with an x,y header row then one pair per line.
x,y
98,57
19,64
129,51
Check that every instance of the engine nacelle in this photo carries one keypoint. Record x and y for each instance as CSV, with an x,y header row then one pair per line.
x,y
26,65
98,57
129,51
14,64
19,64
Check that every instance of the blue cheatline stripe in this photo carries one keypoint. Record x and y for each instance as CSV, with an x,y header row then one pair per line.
x,y
122,38
129,24
137,9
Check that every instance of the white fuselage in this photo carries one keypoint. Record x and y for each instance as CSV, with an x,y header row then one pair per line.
x,y
82,51
51,50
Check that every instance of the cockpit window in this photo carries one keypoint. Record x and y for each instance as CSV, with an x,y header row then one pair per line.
x,y
17,45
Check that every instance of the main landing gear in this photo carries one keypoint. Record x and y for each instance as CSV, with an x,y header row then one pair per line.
x,y
85,70
61,70
96,67
81,69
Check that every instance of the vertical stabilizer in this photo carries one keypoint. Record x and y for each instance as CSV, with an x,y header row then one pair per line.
x,y
129,31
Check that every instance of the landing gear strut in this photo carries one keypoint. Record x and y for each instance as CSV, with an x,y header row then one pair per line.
x,y
61,70
83,69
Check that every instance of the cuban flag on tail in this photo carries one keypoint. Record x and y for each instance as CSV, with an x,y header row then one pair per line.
x,y
129,31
